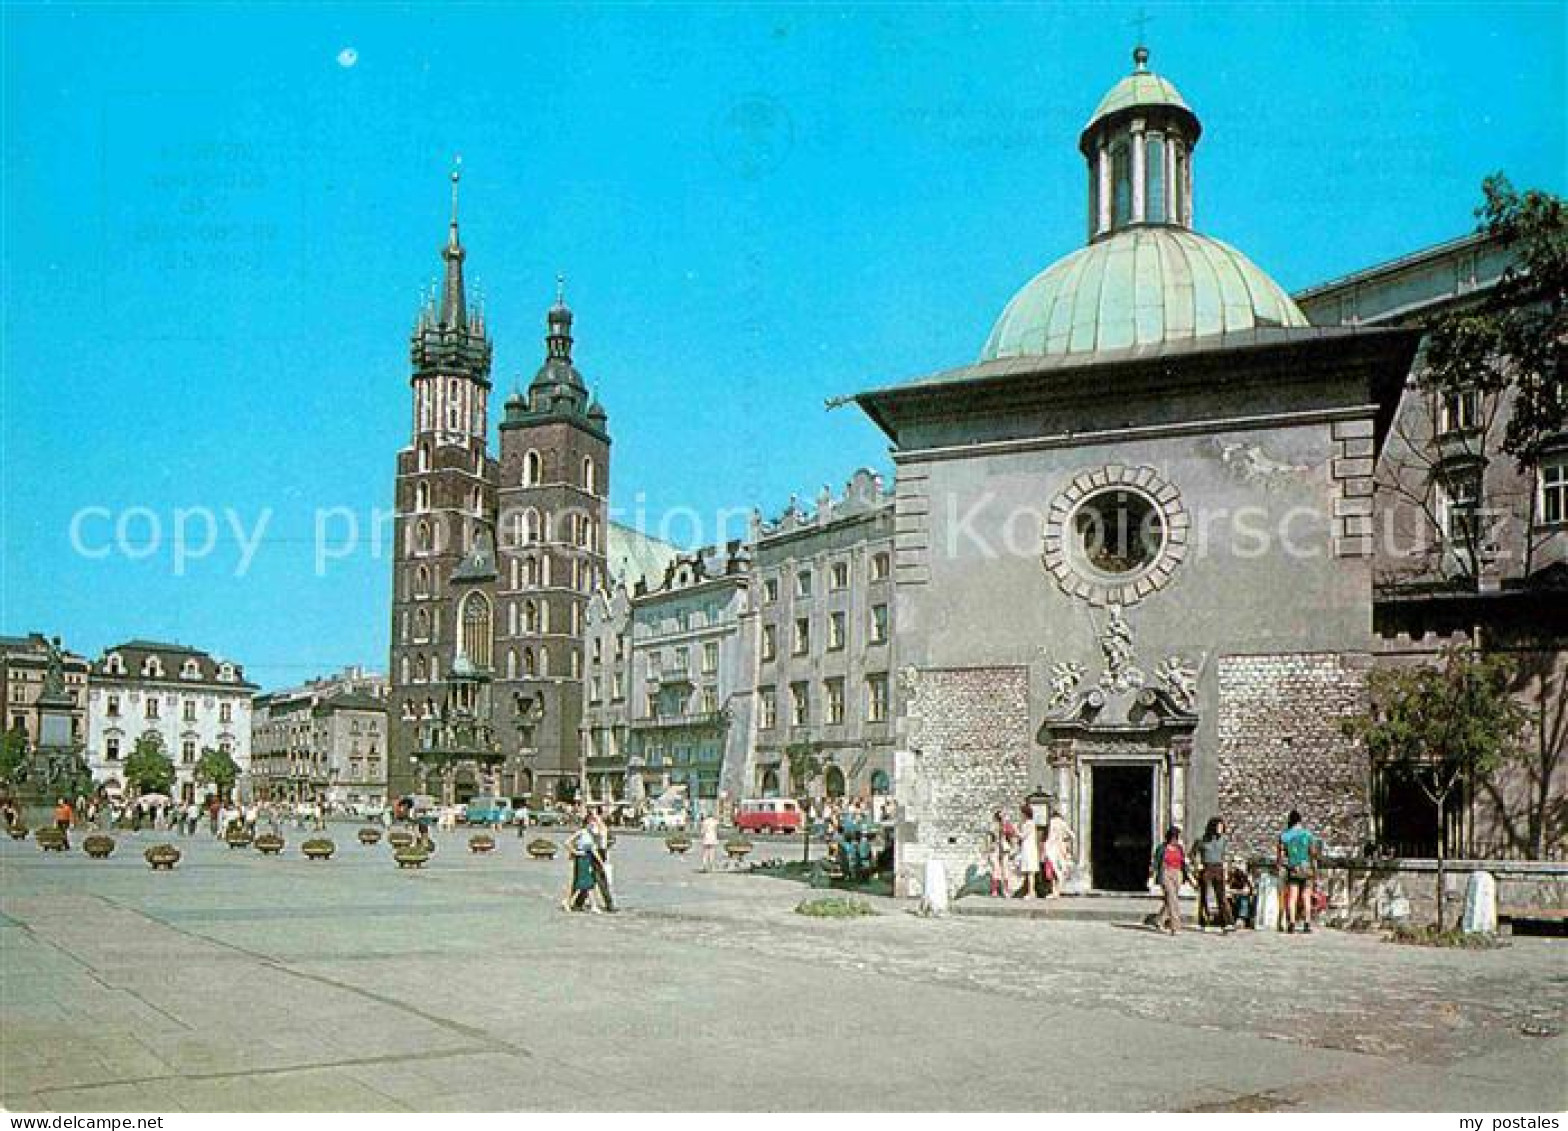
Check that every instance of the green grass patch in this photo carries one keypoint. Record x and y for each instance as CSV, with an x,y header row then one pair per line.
x,y
1452,938
834,907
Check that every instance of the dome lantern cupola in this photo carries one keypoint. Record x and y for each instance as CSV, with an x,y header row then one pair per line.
x,y
1138,145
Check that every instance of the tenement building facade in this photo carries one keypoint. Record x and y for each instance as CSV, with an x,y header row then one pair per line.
x,y
185,699
1472,548
1132,553
496,559
324,741
824,594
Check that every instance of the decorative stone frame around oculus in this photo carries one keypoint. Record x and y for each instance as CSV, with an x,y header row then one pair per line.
x,y
1101,589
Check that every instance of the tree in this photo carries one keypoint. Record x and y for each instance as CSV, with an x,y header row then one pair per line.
x,y
217,767
13,753
1509,350
1444,724
148,769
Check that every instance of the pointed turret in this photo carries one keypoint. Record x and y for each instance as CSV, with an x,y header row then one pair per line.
x,y
454,305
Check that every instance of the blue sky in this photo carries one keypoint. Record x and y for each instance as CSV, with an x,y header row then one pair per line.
x,y
216,230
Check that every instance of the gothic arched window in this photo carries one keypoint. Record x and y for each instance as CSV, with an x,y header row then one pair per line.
x,y
422,624
422,497
530,666
531,527
532,469
1121,184
424,457
422,538
530,618
421,668
475,632
590,476
422,581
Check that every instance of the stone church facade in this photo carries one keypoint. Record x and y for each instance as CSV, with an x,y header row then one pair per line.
x,y
1133,549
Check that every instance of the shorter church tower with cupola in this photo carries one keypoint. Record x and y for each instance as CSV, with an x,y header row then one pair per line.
x,y
555,463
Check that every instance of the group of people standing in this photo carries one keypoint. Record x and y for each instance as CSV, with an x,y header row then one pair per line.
x,y
1033,857
1225,894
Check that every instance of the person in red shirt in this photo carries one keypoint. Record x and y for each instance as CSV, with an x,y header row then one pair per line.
x,y
63,816
1170,870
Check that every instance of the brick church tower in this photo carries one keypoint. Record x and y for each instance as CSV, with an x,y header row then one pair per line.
x,y
554,485
444,504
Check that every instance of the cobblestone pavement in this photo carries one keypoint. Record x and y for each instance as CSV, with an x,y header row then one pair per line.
x,y
243,983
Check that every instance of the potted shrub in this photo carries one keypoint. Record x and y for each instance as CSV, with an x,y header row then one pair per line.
x,y
411,856
400,838
18,831
98,846
542,848
238,836
480,843
737,847
369,835
678,844
269,844
318,848
51,839
164,856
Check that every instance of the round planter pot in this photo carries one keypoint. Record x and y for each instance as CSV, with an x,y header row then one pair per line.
x,y
269,844
162,856
369,836
543,849
411,857
481,843
318,848
98,846
51,839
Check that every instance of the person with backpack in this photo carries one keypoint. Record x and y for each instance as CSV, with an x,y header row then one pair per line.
x,y
1170,871
1297,856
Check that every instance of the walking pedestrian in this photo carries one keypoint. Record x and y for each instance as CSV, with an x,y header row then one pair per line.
x,y
601,858
1297,856
710,842
1059,850
1170,869
581,852
1210,852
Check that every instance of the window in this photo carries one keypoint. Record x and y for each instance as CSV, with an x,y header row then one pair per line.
x,y
590,476
422,497
598,649
225,712
1121,184
682,659
1458,499
111,749
1154,178
710,701
152,668
770,643
530,618
879,624
151,708
114,665
881,566
835,695
531,527
475,634
1461,412
618,686
710,658
770,590
114,706
1553,504
800,704
1118,532
835,631
188,751
188,711
190,669
422,582
424,457
767,708
594,689
838,576
532,466
802,635
876,698
803,583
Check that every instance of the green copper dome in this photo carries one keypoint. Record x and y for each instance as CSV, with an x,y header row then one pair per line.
x,y
1137,287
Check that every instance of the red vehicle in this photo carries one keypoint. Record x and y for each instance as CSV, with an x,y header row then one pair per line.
x,y
772,815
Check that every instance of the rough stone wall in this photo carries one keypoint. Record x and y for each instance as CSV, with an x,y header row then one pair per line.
x,y
1282,747
969,755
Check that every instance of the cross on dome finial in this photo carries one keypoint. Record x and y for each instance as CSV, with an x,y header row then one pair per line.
x,y
1140,53
560,289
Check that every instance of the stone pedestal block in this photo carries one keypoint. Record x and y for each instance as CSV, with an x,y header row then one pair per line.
x,y
1480,905
1268,902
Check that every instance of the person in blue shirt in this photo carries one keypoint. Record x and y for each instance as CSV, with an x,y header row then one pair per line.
x,y
1297,854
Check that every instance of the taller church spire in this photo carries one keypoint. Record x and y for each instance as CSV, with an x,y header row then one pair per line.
x,y
454,304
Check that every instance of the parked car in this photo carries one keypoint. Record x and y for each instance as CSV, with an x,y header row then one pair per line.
x,y
658,820
547,817
488,810
769,815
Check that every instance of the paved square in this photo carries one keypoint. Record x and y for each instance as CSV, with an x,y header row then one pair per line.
x,y
245,983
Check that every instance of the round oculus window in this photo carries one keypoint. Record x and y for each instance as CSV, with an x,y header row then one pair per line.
x,y
1117,532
